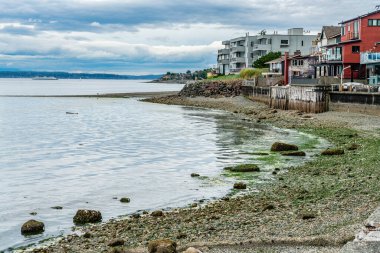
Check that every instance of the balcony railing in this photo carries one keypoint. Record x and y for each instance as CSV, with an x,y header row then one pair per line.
x,y
238,59
353,35
238,49
368,58
337,57
224,51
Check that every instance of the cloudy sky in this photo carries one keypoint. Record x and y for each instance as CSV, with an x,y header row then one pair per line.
x,y
141,36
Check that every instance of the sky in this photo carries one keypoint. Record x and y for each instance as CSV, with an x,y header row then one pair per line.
x,y
148,37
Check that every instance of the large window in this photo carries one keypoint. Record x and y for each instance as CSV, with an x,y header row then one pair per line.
x,y
355,49
284,42
343,30
373,22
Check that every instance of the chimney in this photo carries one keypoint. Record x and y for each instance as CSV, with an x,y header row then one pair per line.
x,y
286,68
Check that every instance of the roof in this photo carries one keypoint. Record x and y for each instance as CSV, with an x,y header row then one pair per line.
x,y
362,16
278,60
331,31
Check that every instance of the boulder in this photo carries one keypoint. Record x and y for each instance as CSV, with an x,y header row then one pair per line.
x,y
293,153
116,242
157,213
125,200
240,186
192,250
333,151
162,246
280,146
87,216
244,168
32,227
195,175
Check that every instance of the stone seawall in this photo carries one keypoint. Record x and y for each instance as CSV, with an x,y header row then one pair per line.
x,y
212,88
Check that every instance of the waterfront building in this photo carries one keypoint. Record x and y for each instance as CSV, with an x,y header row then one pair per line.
x,y
329,52
241,52
360,35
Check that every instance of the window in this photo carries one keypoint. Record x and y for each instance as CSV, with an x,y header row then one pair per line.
x,y
284,42
252,44
373,22
343,30
301,62
302,43
355,49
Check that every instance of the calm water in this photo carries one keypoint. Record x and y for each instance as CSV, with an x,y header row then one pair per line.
x,y
116,148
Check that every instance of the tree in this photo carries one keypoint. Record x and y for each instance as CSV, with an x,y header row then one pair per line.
x,y
260,63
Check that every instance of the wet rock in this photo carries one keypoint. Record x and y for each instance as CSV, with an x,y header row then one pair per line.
x,y
136,215
32,227
125,200
280,146
240,186
157,213
244,168
181,236
162,246
87,235
195,175
194,205
308,216
87,216
293,153
260,153
268,207
57,207
274,173
192,250
33,213
333,151
116,242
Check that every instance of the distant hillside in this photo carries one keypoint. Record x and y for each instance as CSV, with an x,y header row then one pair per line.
x,y
66,75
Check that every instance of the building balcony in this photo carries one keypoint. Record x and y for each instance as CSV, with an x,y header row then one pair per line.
x,y
261,47
223,51
237,60
237,49
224,62
226,42
369,58
337,57
236,70
374,80
352,35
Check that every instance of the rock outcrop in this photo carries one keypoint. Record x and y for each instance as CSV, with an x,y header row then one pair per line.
x,y
87,216
212,88
280,146
162,246
32,227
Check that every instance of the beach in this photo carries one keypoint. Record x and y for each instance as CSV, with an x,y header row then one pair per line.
x,y
315,207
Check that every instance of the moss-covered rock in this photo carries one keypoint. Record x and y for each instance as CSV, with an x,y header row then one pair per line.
x,y
157,213
125,200
162,246
333,151
293,153
244,168
87,216
280,146
32,227
240,186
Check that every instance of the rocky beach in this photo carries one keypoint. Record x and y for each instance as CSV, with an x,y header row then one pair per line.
x,y
315,207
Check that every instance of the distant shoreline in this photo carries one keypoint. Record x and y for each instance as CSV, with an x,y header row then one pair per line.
x,y
107,95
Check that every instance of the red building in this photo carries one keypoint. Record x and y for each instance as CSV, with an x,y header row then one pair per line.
x,y
359,35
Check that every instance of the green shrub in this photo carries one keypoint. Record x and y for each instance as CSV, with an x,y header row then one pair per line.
x,y
250,73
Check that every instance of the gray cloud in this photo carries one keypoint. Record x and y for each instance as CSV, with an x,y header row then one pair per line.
x,y
139,34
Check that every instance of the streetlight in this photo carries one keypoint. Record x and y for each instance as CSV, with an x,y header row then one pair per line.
x,y
341,77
